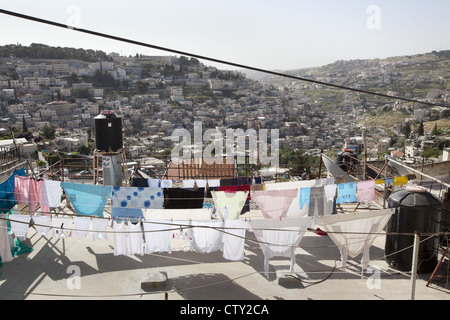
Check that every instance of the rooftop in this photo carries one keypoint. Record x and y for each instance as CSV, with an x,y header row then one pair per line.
x,y
46,272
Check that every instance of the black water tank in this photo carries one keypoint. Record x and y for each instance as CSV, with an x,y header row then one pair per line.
x,y
108,132
415,210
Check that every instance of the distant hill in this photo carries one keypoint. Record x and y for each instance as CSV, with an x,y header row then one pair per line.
x,y
412,76
42,51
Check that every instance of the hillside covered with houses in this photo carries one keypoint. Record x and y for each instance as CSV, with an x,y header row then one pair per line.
x,y
50,96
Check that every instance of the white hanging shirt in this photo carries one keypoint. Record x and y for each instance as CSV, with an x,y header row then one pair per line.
x,y
120,238
135,239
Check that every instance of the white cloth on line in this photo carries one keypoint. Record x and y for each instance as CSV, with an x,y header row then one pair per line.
x,y
201,183
166,183
351,233
154,183
5,248
135,239
81,226
62,227
177,214
127,240
189,183
51,193
213,183
157,235
280,238
233,239
330,193
120,238
99,227
20,225
204,236
42,224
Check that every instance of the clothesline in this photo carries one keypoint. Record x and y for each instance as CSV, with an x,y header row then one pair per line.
x,y
221,229
183,225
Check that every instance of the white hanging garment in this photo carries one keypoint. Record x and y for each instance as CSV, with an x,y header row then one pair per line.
x,y
135,239
233,239
204,235
20,225
157,235
121,241
5,248
62,227
51,193
177,214
280,237
81,226
99,227
42,224
352,232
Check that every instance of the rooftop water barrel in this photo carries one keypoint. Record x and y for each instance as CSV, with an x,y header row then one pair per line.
x,y
108,132
416,210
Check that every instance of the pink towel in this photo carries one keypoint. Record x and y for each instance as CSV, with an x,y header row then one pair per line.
x,y
274,203
26,191
365,191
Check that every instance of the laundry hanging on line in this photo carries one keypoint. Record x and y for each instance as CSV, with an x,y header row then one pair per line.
x,y
87,199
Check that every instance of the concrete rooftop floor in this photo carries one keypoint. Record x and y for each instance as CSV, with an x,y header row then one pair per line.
x,y
46,273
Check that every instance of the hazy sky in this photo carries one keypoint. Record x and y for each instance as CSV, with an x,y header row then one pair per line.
x,y
281,34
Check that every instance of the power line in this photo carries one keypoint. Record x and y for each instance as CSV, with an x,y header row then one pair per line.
x,y
184,53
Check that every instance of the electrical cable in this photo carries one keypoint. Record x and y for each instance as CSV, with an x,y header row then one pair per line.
x,y
197,56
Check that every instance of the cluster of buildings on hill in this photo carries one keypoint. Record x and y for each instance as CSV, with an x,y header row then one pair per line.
x,y
155,95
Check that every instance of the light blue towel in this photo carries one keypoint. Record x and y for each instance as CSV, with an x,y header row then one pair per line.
x,y
304,196
87,199
346,192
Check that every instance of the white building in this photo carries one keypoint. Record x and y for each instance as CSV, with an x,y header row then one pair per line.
x,y
25,147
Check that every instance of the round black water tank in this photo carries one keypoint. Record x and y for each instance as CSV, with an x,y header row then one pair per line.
x,y
415,210
108,132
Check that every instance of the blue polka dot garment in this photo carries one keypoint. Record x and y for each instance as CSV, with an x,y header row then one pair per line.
x,y
128,201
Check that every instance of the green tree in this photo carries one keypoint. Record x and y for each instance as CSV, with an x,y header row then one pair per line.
x,y
420,130
431,152
48,132
24,125
406,129
142,86
435,131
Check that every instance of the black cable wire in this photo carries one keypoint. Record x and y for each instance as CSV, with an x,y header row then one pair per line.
x,y
193,55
